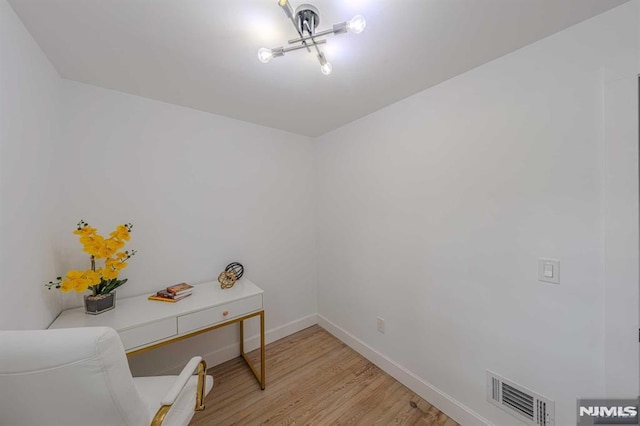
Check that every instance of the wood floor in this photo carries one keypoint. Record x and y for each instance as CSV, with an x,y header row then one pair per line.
x,y
313,379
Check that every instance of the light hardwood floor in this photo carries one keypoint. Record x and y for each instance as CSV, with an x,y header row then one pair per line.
x,y
313,379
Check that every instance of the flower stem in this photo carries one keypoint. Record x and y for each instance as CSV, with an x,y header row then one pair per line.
x,y
93,268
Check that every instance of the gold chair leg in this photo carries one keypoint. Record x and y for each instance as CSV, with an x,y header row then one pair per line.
x,y
202,376
160,415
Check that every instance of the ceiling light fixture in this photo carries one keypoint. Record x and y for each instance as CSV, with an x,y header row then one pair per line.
x,y
306,19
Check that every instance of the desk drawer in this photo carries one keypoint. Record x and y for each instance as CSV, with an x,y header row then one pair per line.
x,y
148,333
215,315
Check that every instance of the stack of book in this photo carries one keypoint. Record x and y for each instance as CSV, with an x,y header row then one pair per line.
x,y
173,293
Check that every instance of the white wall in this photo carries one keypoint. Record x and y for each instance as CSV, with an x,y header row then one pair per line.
x,y
201,191
620,223
434,211
29,140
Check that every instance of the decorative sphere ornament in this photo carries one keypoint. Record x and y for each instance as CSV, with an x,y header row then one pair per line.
x,y
227,279
230,275
236,268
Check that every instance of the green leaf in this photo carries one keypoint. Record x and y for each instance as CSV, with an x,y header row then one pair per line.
x,y
112,285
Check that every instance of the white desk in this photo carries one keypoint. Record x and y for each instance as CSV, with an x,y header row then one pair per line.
x,y
146,324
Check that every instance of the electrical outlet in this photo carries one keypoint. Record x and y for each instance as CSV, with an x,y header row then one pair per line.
x,y
381,325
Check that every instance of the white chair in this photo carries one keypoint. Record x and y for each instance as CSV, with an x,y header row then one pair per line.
x,y
80,376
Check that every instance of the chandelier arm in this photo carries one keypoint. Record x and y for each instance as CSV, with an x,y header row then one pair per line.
x,y
304,43
289,49
321,58
312,36
320,34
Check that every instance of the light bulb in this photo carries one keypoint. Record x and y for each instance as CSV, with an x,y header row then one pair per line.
x,y
282,2
265,55
326,68
357,24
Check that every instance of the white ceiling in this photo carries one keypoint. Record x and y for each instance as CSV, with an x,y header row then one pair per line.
x,y
202,53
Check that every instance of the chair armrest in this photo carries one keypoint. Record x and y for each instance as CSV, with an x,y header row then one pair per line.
x,y
194,363
181,381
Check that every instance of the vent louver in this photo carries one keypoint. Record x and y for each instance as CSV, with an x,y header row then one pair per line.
x,y
526,405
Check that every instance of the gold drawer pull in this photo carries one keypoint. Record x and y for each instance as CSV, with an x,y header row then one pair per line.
x,y
225,313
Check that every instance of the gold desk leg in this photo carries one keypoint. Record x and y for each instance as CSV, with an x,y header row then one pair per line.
x,y
263,364
262,376
242,336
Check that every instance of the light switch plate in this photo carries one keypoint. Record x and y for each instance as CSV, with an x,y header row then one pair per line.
x,y
549,270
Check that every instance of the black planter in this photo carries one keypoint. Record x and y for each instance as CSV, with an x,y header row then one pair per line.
x,y
95,305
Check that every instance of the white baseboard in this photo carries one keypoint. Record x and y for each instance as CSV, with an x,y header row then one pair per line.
x,y
445,403
232,350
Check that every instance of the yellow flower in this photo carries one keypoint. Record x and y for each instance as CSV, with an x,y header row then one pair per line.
x,y
121,233
75,280
92,277
74,275
109,273
66,286
114,244
79,281
81,285
93,245
108,263
85,231
104,251
86,239
115,265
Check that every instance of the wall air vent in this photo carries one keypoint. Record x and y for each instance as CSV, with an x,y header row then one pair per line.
x,y
528,406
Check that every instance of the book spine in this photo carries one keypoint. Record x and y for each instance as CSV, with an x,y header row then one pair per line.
x,y
182,291
162,299
179,287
